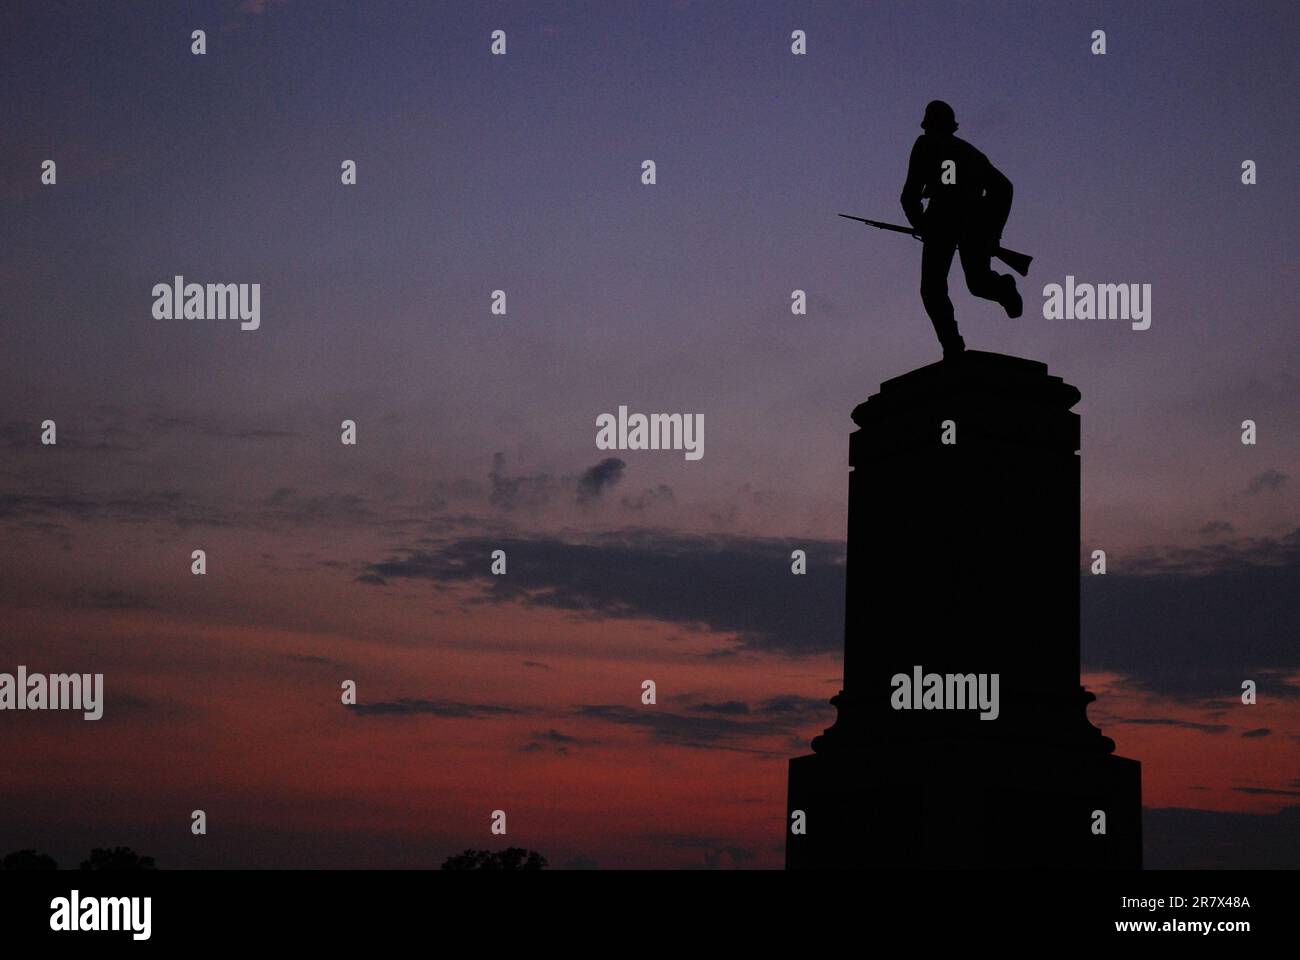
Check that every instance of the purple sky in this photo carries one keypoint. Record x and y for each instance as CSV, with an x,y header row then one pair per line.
x,y
523,173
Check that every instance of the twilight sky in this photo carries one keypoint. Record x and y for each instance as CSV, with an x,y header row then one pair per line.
x,y
476,432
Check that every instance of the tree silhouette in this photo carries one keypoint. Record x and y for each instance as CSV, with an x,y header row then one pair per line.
x,y
512,858
27,860
119,858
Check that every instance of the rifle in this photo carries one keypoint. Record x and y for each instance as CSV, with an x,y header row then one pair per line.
x,y
1018,262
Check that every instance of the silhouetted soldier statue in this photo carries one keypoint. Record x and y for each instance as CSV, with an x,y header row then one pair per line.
x,y
969,201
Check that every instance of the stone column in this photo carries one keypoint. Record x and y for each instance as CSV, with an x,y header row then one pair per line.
x,y
963,562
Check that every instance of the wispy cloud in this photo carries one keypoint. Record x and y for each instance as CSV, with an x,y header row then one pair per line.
x,y
735,585
1165,722
1263,482
403,707
1193,623
728,725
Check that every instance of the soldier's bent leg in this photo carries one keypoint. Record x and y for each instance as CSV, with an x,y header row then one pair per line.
x,y
984,282
936,260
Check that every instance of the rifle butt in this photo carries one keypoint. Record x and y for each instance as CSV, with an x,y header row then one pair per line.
x,y
1018,262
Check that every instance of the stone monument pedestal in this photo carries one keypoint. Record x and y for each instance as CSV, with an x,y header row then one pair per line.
x,y
963,565
945,805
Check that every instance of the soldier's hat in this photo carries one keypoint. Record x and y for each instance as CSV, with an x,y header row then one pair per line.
x,y
939,117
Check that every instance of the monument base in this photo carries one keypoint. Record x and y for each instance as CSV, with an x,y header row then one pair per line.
x,y
955,805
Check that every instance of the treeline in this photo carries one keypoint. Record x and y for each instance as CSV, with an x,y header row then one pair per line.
x,y
117,858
